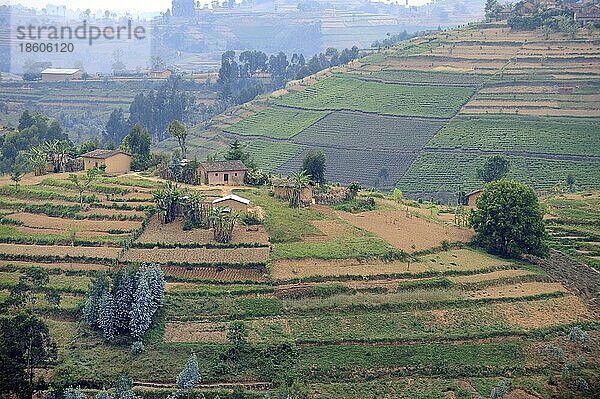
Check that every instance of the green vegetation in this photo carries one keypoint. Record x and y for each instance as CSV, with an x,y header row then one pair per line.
x,y
342,93
434,172
276,122
269,155
514,133
365,247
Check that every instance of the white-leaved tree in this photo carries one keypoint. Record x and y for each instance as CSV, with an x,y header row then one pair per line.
x,y
123,297
106,316
189,378
92,307
74,393
140,314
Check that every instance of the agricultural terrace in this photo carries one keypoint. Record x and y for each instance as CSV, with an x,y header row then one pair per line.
x,y
387,298
423,115
572,221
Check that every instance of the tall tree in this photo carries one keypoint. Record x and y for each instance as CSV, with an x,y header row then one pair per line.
x,y
25,346
314,165
300,181
106,316
178,130
91,310
123,289
83,182
140,314
137,143
236,152
494,168
509,221
116,128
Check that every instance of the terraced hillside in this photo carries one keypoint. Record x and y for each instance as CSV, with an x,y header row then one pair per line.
x,y
425,114
329,298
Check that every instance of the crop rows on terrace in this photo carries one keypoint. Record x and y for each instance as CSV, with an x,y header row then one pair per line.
x,y
343,129
441,78
380,169
342,93
269,155
276,122
439,172
514,133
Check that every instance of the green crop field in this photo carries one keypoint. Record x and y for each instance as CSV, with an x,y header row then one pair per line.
x,y
343,93
526,134
437,172
276,122
442,78
269,155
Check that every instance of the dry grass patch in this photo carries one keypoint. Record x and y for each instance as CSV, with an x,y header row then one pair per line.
x,y
538,314
407,233
476,278
292,269
461,259
518,290
196,332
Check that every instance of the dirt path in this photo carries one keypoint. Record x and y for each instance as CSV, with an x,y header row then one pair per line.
x,y
250,385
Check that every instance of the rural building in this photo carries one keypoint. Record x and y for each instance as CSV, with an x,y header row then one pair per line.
x,y
587,14
116,161
226,173
61,75
160,74
232,202
283,189
472,197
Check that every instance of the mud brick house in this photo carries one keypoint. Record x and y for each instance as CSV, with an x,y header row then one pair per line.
x,y
223,173
115,161
61,74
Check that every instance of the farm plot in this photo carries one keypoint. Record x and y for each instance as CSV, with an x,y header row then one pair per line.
x,y
379,169
443,172
56,265
198,255
446,262
269,155
353,130
513,133
407,233
441,78
173,233
60,251
212,274
342,93
43,222
276,122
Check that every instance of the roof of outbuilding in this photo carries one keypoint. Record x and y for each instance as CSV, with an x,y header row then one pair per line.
x,y
103,154
60,71
479,190
222,166
232,197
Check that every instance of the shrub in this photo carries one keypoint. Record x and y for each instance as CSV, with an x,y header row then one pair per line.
x,y
137,348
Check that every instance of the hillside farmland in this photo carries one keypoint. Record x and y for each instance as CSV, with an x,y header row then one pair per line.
x,y
393,298
437,106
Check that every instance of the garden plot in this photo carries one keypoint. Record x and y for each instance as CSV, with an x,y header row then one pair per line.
x,y
442,78
360,131
42,222
56,265
59,251
173,233
408,233
198,255
213,274
196,332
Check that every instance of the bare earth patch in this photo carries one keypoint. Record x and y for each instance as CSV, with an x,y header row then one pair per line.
x,y
56,265
290,269
407,233
59,250
198,255
173,233
43,221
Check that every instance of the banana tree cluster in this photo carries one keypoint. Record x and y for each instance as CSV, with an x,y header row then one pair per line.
x,y
173,201
167,202
223,220
55,152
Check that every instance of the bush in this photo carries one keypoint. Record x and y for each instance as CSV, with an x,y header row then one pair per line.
x,y
137,348
251,219
357,205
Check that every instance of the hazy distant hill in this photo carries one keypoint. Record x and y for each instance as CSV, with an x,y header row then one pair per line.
x,y
425,114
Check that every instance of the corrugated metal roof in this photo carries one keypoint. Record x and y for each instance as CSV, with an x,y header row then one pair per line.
x,y
232,197
59,71
103,154
223,166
